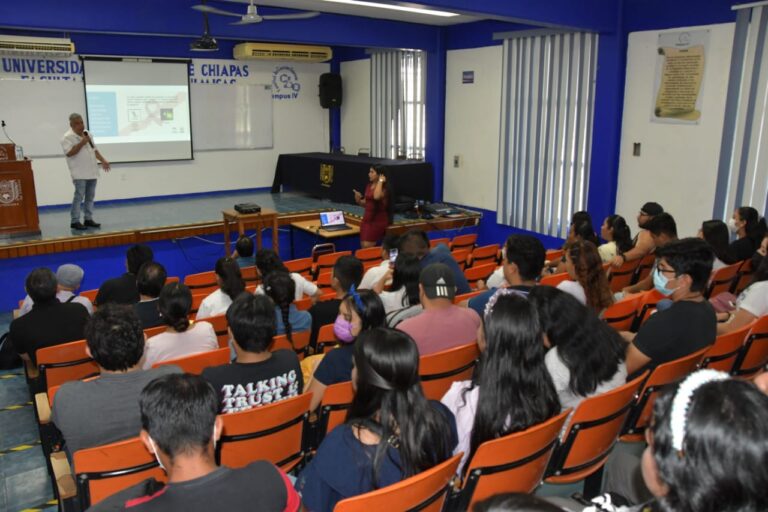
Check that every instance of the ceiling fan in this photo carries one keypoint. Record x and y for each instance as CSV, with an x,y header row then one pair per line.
x,y
251,15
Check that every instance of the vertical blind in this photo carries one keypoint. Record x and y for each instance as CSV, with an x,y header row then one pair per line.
x,y
546,129
742,178
398,86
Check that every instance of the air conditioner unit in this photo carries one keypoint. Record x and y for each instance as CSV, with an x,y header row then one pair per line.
x,y
48,46
292,52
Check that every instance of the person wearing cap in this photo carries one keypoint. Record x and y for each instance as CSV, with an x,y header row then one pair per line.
x,y
442,325
643,242
68,279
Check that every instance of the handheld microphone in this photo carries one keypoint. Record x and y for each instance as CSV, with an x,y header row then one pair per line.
x,y
90,142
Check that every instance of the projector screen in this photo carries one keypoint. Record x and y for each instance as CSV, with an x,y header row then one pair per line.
x,y
138,111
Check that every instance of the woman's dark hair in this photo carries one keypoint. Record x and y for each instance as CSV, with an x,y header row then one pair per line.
x,y
267,261
244,246
621,233
588,267
280,287
715,233
585,231
761,272
372,313
589,348
755,228
406,274
579,217
389,191
389,402
722,464
174,305
515,389
232,283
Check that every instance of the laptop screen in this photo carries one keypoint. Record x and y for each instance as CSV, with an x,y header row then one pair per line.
x,y
331,218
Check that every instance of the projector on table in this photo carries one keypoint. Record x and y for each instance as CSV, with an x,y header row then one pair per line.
x,y
247,208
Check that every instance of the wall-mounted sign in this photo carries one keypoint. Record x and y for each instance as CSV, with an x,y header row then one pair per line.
x,y
679,75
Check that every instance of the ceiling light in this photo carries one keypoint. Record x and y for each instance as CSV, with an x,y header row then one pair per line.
x,y
416,10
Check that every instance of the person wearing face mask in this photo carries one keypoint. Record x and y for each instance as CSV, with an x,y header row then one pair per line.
x,y
752,303
749,229
359,311
689,324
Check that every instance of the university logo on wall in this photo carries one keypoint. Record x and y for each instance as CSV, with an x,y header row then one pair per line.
x,y
326,175
10,192
285,83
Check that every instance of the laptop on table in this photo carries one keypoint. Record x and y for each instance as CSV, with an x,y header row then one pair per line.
x,y
333,221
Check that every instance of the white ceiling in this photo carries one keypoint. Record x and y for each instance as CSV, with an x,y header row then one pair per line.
x,y
351,10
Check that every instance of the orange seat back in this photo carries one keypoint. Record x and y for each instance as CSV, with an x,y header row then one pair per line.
x,y
621,277
171,279
271,432
105,470
220,325
324,282
746,272
663,375
464,242
591,433
722,280
439,370
554,254
754,354
154,331
621,315
301,266
326,261
424,492
62,363
337,399
461,256
647,307
554,279
369,254
303,304
249,273
467,296
197,299
645,266
90,294
512,463
204,282
196,363
723,353
437,241
485,254
300,342
477,272
326,339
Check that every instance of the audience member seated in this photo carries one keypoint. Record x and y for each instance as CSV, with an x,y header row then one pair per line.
x,y
416,243
392,431
267,261
689,324
230,283
358,312
149,281
374,274
523,260
643,242
715,233
617,236
404,291
122,290
707,447
585,356
442,325
106,409
50,322
590,284
280,287
580,228
511,389
346,272
257,376
749,228
662,230
752,302
179,425
68,279
181,337
244,252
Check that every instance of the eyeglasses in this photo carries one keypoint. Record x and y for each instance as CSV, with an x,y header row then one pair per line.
x,y
665,271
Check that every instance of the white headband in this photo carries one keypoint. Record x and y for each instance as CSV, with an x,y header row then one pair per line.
x,y
683,399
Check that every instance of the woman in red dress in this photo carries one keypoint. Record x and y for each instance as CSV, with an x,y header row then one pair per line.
x,y
378,203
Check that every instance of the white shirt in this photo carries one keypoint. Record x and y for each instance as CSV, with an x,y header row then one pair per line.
x,y
63,296
561,378
754,299
575,289
393,300
200,337
374,275
497,279
214,304
83,165
607,251
464,414
303,287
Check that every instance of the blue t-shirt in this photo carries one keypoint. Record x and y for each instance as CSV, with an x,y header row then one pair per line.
x,y
441,254
300,320
478,302
336,366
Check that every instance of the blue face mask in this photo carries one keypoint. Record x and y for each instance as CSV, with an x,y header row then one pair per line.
x,y
660,282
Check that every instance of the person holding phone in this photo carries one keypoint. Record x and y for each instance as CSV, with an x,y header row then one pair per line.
x,y
378,203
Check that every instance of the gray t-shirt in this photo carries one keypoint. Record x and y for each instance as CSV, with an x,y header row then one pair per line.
x,y
561,378
104,410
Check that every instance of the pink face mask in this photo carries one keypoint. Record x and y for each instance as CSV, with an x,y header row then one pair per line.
x,y
342,328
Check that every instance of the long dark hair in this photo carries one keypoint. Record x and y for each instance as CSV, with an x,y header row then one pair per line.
x,y
622,235
589,348
174,304
715,233
585,231
389,402
515,389
590,274
267,261
280,287
232,282
406,274
755,228
725,445
389,191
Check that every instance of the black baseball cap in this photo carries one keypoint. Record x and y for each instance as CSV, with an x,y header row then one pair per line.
x,y
438,281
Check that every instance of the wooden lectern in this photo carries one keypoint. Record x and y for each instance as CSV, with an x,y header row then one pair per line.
x,y
18,202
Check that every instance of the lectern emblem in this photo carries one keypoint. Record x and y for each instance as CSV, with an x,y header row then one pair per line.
x,y
326,174
10,191
3,153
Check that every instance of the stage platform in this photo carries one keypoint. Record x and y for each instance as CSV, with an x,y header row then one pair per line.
x,y
145,220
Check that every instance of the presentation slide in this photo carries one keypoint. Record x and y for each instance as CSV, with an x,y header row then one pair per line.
x,y
139,111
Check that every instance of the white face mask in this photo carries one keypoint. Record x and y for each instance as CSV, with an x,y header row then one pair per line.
x,y
732,225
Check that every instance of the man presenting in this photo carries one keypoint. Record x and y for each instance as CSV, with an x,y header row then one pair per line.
x,y
81,159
